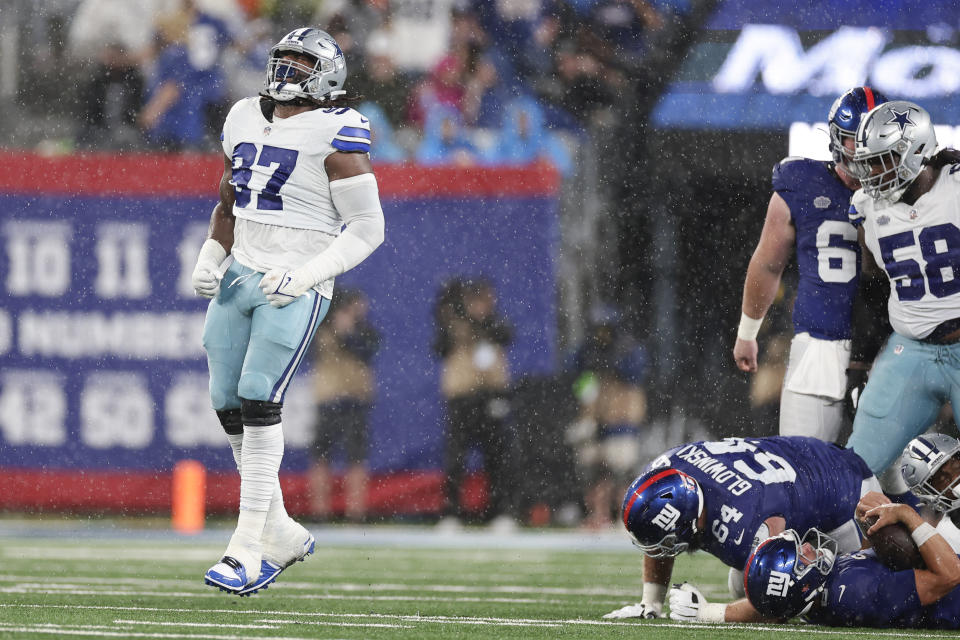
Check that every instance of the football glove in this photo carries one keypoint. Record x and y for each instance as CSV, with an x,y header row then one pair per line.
x,y
856,381
206,275
283,287
638,610
685,602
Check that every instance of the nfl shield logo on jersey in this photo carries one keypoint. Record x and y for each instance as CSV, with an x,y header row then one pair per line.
x,y
267,130
821,202
913,214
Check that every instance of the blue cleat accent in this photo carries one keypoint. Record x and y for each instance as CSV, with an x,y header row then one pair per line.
x,y
270,570
227,575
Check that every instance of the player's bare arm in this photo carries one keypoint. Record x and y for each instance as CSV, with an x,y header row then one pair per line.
x,y
222,219
687,604
775,525
763,278
942,574
342,165
206,275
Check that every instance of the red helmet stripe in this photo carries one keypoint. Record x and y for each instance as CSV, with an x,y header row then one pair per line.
x,y
641,488
871,101
746,567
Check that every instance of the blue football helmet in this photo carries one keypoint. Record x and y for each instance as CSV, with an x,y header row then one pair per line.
x,y
786,573
287,80
921,461
660,511
844,119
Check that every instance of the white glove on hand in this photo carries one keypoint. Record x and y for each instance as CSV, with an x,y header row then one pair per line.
x,y
685,603
638,610
206,275
283,287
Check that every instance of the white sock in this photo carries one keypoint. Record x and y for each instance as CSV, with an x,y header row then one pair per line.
x,y
277,513
236,444
260,466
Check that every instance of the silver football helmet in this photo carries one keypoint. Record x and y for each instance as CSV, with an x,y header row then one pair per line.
x,y
323,79
894,141
920,462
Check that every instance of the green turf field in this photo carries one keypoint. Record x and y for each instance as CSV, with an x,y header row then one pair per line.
x,y
393,582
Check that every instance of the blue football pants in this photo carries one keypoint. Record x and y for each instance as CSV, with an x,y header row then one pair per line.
x,y
909,383
254,349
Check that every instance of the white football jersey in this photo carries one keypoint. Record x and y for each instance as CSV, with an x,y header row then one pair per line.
x,y
285,215
919,247
278,170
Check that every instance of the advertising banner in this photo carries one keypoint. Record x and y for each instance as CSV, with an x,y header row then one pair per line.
x,y
103,371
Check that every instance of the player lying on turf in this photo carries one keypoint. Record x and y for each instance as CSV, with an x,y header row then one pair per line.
x,y
724,497
930,466
788,576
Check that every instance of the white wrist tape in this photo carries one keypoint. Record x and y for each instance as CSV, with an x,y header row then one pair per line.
x,y
923,533
358,202
212,253
749,327
653,593
712,612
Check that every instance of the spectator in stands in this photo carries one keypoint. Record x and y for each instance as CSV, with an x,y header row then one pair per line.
x,y
344,384
378,81
384,147
419,33
522,139
472,340
512,27
352,22
187,88
444,87
611,367
111,39
445,140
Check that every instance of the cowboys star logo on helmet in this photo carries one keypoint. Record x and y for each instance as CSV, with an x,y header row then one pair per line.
x,y
901,119
893,143
919,464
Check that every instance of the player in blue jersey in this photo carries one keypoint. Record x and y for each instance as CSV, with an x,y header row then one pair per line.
x,y
789,576
724,497
808,214
298,206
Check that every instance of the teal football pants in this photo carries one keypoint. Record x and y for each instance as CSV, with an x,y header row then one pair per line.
x,y
254,349
909,382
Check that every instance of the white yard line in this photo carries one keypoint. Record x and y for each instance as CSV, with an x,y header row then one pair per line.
x,y
118,632
88,584
305,617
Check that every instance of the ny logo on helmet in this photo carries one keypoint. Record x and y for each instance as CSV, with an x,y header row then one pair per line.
x,y
778,584
667,518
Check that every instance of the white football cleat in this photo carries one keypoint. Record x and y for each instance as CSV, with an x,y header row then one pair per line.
x,y
228,575
283,545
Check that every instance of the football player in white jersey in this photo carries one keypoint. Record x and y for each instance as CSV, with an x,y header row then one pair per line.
x,y
296,170
908,214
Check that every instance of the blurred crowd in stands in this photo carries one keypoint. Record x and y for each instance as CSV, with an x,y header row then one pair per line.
x,y
446,82
463,82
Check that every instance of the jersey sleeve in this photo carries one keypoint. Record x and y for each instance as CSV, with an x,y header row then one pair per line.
x,y
226,141
352,133
857,208
787,174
